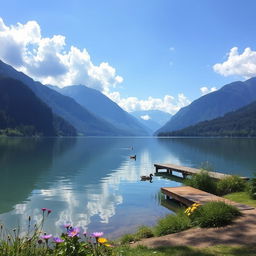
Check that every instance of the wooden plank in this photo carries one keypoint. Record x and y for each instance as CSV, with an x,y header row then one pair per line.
x,y
189,195
188,171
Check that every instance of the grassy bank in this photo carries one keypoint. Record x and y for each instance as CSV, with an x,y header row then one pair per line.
x,y
188,251
241,197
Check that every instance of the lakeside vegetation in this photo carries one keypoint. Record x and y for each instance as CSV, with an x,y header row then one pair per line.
x,y
74,242
221,187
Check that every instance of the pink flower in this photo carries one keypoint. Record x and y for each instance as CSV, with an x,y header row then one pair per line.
x,y
44,209
67,225
49,211
97,234
73,232
46,237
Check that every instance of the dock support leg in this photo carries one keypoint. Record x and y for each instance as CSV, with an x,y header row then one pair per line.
x,y
169,171
184,175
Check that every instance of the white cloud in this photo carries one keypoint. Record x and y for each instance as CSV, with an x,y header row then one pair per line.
x,y
168,103
172,49
243,64
205,90
49,61
145,117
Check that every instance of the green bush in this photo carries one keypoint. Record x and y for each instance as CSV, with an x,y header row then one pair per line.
x,y
144,232
230,184
252,188
128,238
214,214
202,181
172,224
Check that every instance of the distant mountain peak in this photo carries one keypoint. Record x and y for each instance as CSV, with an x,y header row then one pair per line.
x,y
229,98
103,107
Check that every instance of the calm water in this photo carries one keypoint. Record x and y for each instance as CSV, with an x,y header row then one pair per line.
x,y
92,183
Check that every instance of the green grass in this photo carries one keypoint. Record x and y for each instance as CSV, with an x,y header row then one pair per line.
x,y
241,197
172,224
188,251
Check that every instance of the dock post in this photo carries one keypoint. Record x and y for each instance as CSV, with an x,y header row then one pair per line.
x,y
184,175
169,171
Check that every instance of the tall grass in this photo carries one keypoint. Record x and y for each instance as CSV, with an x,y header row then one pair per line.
x,y
214,214
230,184
202,181
172,224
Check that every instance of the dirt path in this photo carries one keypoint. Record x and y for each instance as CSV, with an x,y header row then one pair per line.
x,y
241,232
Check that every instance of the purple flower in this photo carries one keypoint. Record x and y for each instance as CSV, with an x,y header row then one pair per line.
x,y
97,234
85,234
46,237
58,240
49,211
73,232
44,209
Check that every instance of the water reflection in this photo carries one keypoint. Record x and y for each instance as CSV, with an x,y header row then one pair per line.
x,y
92,182
86,182
228,155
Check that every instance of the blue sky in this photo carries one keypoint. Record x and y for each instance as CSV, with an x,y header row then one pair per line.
x,y
157,48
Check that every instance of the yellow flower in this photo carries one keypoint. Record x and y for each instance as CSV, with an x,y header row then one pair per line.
x,y
102,240
108,245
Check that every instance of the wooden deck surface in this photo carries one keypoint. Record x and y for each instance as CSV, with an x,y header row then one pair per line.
x,y
188,170
189,195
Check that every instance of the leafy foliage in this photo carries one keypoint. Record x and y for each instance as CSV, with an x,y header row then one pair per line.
x,y
252,188
128,238
202,181
144,232
230,184
214,214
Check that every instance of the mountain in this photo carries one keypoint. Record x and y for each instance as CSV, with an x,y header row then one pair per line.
x,y
84,121
153,119
23,113
229,98
239,123
100,105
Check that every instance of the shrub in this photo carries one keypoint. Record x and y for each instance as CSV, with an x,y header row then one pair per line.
x,y
202,181
252,188
128,238
172,224
144,232
214,214
230,184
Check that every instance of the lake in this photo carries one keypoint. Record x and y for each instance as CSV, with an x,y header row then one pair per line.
x,y
92,183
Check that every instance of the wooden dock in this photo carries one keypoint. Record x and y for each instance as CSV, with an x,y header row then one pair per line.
x,y
188,195
190,171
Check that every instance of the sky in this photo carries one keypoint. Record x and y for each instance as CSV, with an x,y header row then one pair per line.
x,y
143,54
